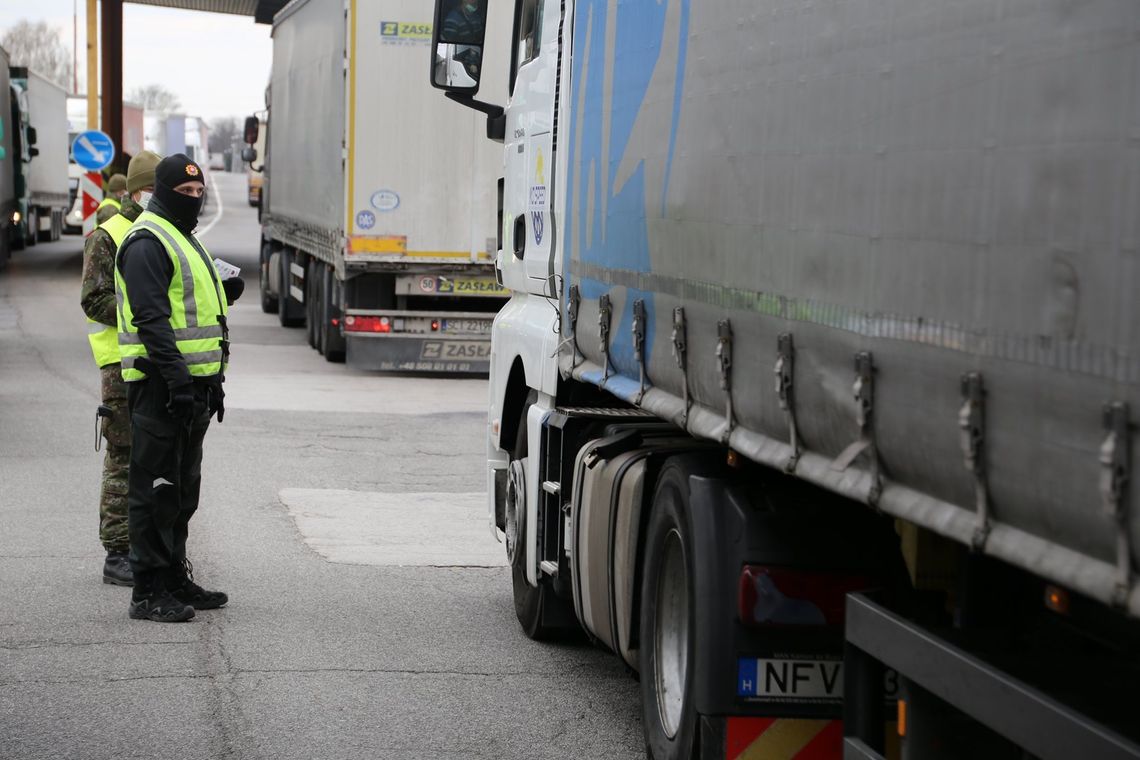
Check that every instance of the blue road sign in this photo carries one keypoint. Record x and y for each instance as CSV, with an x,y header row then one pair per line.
x,y
93,150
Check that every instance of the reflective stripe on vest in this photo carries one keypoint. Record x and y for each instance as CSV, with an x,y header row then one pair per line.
x,y
196,304
110,202
103,338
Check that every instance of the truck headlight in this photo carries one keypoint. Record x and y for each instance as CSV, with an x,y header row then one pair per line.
x,y
16,217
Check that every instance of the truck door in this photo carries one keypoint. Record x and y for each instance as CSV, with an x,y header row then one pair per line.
x,y
529,234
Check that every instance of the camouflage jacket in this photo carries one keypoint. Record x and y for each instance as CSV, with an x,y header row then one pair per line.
x,y
97,296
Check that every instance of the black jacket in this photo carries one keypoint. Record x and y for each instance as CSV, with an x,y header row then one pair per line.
x,y
147,270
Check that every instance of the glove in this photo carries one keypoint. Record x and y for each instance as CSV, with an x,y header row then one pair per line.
x,y
181,403
233,288
217,401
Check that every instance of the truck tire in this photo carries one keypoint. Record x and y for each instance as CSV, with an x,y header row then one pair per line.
x,y
332,342
311,306
268,300
667,652
532,605
289,312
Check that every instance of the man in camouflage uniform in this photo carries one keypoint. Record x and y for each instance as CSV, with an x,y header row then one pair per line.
x,y
97,297
112,204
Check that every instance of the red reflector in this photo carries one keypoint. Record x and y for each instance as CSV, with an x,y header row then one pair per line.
x,y
335,322
435,325
367,324
781,596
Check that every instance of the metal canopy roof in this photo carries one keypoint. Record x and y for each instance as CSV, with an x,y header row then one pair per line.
x,y
262,11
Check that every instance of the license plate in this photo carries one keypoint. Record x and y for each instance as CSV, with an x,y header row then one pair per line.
x,y
477,326
456,349
779,679
470,286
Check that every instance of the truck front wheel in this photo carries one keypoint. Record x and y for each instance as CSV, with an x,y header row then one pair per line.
x,y
268,300
666,653
540,611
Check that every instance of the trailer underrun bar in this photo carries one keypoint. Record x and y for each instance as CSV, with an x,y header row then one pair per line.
x,y
878,638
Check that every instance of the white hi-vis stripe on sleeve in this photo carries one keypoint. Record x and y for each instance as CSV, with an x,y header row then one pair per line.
x,y
94,328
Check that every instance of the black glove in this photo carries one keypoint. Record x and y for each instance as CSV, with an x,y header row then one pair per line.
x,y
181,403
233,287
217,401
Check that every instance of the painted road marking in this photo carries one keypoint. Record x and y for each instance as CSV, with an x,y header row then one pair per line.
x,y
395,529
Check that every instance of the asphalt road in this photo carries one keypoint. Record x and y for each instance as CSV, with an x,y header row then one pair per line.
x,y
370,615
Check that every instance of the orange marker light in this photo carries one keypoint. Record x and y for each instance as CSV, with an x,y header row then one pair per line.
x,y
902,717
733,458
1057,600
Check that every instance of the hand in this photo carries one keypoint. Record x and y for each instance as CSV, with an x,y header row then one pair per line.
x,y
233,288
181,403
217,401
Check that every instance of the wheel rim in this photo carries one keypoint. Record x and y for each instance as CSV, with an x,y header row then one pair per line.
x,y
671,643
515,506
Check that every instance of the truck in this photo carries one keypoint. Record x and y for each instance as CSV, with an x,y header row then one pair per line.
x,y
8,157
378,200
815,397
40,109
254,174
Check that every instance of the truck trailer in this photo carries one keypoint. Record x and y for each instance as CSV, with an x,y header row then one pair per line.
x,y
9,209
814,398
39,106
378,199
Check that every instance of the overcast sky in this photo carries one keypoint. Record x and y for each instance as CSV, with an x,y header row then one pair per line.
x,y
217,64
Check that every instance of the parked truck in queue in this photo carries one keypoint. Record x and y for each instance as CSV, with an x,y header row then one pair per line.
x,y
377,198
39,120
814,398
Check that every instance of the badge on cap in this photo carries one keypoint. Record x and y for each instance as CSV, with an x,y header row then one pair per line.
x,y
191,170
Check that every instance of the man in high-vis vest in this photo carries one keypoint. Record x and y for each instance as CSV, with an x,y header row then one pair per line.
x,y
174,345
112,204
97,297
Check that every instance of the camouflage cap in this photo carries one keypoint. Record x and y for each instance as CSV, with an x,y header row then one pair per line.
x,y
140,173
117,184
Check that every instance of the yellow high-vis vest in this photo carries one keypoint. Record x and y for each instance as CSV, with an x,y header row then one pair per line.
x,y
197,306
110,202
104,339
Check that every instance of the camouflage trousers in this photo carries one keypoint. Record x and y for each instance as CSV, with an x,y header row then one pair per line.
x,y
116,463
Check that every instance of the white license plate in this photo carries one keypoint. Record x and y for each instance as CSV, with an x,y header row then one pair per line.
x,y
792,680
476,326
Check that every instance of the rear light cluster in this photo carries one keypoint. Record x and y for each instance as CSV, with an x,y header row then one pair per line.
x,y
368,324
779,596
374,324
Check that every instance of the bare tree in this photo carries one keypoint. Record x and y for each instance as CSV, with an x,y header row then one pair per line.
x,y
222,133
155,98
40,47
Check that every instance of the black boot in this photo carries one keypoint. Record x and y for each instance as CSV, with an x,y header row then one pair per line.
x,y
117,570
184,589
151,601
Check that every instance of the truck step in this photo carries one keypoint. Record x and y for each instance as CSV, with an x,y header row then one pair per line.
x,y
552,487
549,567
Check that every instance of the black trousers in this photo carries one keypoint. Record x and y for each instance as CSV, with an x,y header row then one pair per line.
x,y
165,474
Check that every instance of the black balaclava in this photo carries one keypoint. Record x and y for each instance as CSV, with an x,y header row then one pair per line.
x,y
181,210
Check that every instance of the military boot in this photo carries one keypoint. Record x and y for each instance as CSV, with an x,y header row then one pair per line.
x,y
184,589
151,601
117,570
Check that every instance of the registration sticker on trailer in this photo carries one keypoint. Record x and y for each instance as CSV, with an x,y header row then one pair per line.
x,y
787,679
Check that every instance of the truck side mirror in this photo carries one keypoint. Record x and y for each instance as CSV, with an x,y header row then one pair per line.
x,y
250,132
31,136
457,44
249,154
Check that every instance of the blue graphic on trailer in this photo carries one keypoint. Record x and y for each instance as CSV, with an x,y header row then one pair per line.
x,y
645,71
93,150
365,220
